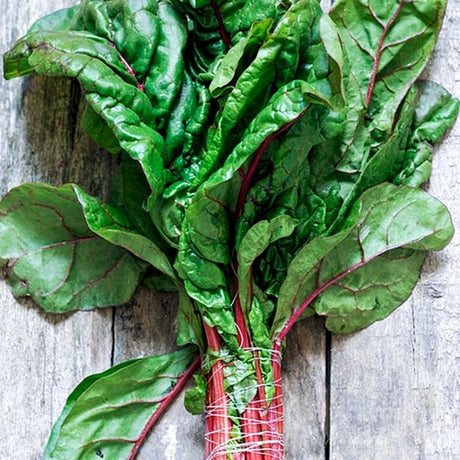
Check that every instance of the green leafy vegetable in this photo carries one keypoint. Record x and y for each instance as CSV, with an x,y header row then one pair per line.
x,y
116,406
270,156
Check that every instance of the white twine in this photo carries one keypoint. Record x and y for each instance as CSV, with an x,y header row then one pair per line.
x,y
268,441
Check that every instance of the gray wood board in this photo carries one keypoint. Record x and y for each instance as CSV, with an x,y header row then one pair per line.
x,y
393,386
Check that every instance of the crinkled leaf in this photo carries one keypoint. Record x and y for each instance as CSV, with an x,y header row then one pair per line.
x,y
255,242
194,399
384,165
106,413
435,112
217,25
129,193
128,61
189,322
231,62
285,56
385,218
259,328
370,293
96,128
205,234
53,256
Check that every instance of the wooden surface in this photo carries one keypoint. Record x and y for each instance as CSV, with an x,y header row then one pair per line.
x,y
389,392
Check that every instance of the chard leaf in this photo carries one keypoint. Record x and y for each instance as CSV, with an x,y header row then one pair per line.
x,y
203,244
435,112
388,44
281,60
129,62
232,61
194,400
386,162
217,25
255,242
189,323
370,293
53,256
114,226
98,130
107,413
259,329
389,230
129,193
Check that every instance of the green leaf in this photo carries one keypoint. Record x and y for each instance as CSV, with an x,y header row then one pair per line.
x,y
254,243
388,44
283,60
345,266
115,227
129,193
384,165
52,255
232,61
435,112
98,130
370,293
129,63
194,399
259,329
189,322
106,413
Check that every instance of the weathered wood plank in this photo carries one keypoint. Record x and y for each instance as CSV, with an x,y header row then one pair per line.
x,y
43,356
394,386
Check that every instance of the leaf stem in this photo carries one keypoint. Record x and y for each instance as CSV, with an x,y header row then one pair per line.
x,y
275,411
218,424
222,31
378,55
164,404
256,416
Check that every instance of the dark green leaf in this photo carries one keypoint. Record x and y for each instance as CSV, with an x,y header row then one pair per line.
x,y
115,227
189,322
254,243
435,112
128,61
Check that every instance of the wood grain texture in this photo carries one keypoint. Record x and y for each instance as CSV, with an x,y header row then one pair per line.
x,y
392,386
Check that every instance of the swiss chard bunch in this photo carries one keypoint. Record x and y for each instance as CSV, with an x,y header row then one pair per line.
x,y
270,163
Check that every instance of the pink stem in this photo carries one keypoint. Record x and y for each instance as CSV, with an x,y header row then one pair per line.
x,y
222,31
164,404
378,55
218,425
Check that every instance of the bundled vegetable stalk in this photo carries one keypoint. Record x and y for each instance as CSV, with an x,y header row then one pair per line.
x,y
270,163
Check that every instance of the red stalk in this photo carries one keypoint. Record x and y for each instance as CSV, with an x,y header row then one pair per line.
x,y
275,411
256,417
251,422
378,54
222,31
218,424
164,404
